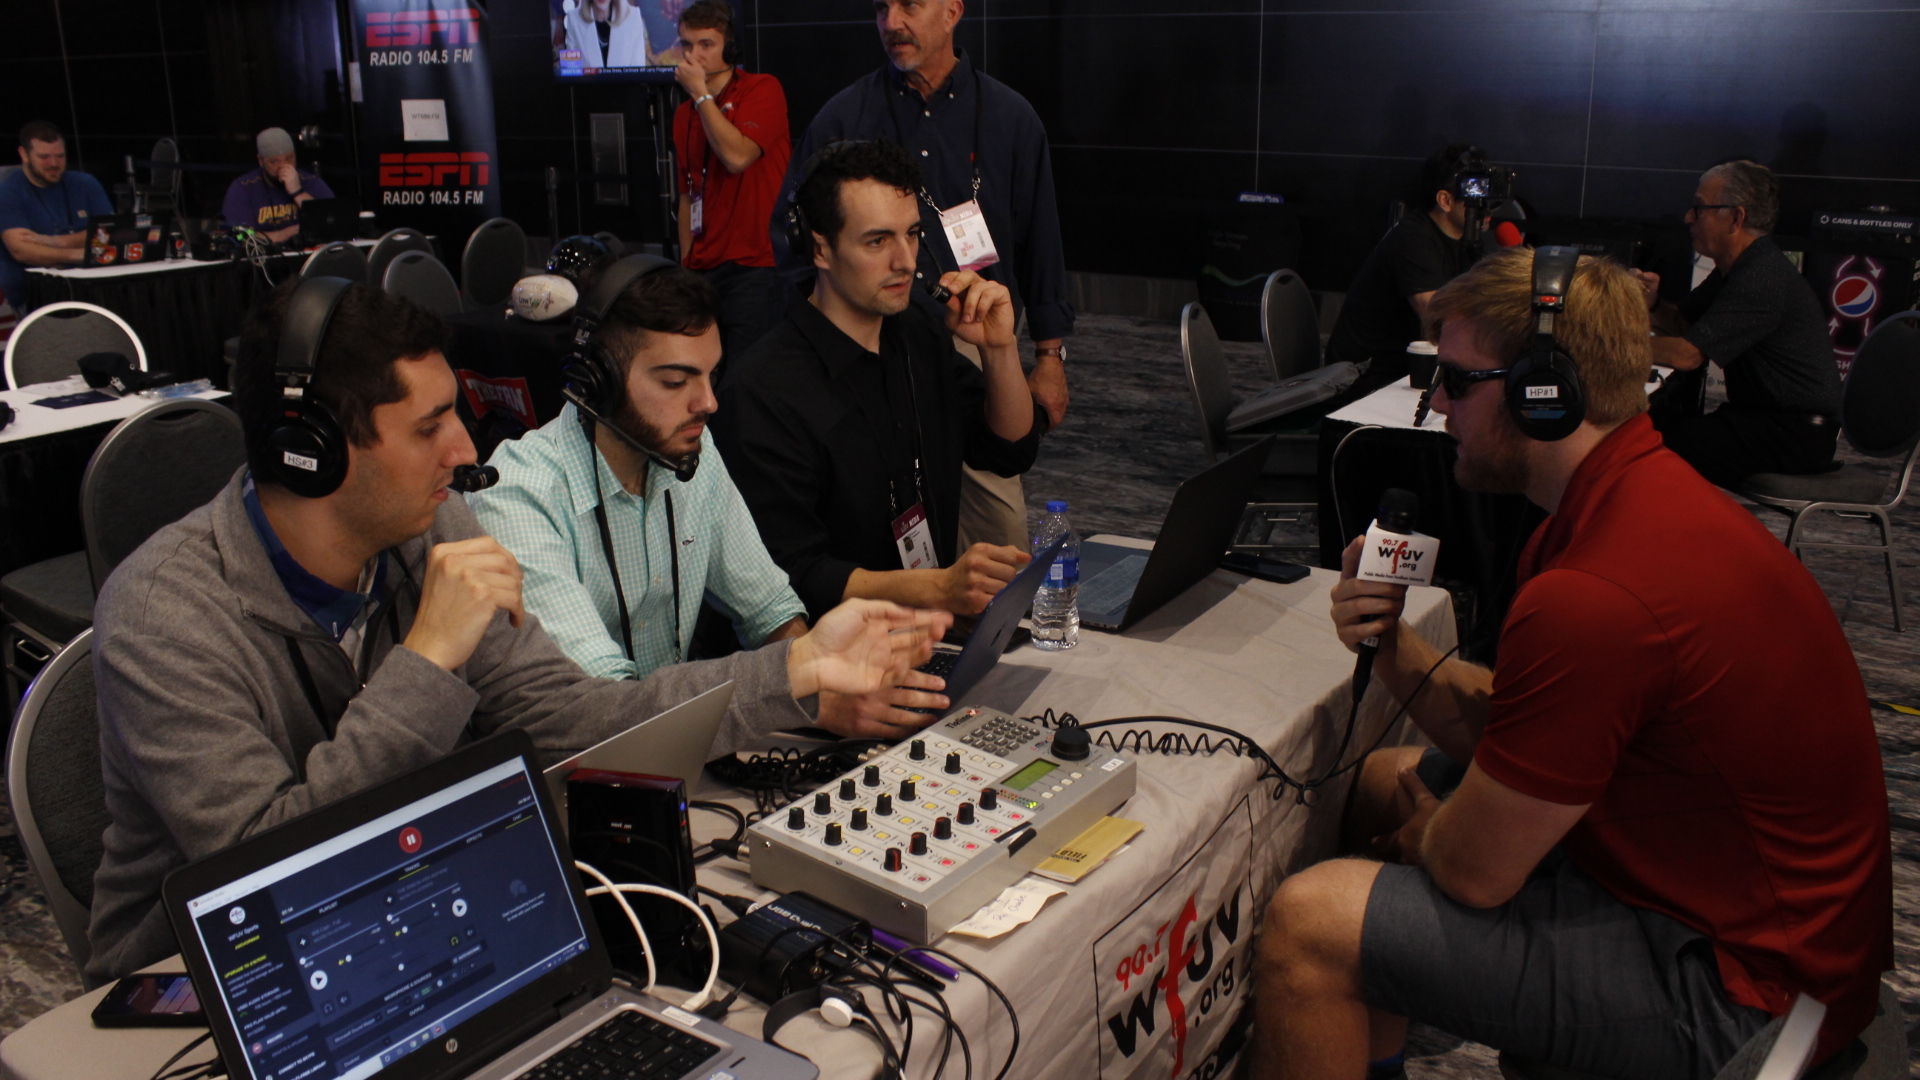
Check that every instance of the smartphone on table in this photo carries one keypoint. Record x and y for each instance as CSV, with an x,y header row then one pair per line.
x,y
164,999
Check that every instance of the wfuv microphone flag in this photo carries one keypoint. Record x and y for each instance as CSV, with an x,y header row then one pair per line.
x,y
1392,552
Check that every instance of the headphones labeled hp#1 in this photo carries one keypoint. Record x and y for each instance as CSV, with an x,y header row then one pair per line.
x,y
1544,394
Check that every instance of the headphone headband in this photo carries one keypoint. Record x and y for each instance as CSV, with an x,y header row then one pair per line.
x,y
304,330
592,308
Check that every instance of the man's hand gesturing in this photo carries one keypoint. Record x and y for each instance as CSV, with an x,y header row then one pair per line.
x,y
467,581
864,646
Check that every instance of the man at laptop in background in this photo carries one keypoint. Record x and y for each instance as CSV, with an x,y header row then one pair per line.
x,y
269,197
272,652
668,541
44,210
847,425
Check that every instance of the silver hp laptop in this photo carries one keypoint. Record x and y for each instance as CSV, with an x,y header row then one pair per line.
x,y
429,928
1119,586
677,742
963,668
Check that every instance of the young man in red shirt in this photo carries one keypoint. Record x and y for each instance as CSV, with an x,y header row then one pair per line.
x,y
1672,820
731,140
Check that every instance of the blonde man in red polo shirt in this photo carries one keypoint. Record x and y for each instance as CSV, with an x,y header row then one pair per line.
x,y
1667,818
731,139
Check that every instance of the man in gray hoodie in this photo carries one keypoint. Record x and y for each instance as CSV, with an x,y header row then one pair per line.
x,y
270,653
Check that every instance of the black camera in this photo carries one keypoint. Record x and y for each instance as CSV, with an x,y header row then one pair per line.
x,y
1484,185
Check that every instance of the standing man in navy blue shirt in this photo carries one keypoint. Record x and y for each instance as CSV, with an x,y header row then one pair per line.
x,y
44,210
983,153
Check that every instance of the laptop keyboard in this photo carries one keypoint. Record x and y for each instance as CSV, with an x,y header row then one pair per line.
x,y
633,1046
1110,590
941,664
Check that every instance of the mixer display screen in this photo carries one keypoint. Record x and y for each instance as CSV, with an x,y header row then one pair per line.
x,y
1024,779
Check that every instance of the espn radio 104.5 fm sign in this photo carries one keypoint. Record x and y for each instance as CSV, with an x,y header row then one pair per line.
x,y
427,96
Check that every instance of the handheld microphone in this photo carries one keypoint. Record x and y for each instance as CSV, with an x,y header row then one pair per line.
x,y
682,471
932,287
1398,509
471,478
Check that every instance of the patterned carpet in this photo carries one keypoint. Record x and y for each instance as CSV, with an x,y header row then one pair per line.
x,y
1129,440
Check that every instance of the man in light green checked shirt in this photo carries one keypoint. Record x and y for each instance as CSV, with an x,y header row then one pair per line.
x,y
563,506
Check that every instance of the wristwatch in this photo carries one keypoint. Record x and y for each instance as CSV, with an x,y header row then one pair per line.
x,y
1052,350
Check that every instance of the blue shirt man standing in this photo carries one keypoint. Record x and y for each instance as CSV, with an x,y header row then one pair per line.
x,y
44,210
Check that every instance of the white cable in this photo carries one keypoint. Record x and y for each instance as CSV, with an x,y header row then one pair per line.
x,y
705,995
646,946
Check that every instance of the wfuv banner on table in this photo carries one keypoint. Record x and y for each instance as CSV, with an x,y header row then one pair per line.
x,y
1172,976
427,114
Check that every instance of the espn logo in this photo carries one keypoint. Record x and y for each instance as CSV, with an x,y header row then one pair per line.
x,y
469,169
404,29
300,461
1540,393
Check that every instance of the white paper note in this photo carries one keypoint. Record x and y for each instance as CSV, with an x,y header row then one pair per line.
x,y
1016,906
423,120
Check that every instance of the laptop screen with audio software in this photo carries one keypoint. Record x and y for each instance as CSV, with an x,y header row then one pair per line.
x,y
340,960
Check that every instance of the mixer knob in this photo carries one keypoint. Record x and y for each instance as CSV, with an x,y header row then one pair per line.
x,y
918,750
883,805
966,813
906,791
833,837
988,799
943,828
871,777
953,761
796,818
822,803
847,790
917,843
860,820
894,861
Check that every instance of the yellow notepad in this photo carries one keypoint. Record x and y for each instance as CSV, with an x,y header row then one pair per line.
x,y
1089,849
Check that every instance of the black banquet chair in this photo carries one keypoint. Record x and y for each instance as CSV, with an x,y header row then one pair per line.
x,y
495,258
389,247
338,259
1289,325
419,277
1880,416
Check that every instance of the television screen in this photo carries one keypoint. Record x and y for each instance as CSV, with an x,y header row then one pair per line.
x,y
615,40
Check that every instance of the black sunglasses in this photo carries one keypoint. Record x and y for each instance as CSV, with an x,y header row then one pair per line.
x,y
1456,380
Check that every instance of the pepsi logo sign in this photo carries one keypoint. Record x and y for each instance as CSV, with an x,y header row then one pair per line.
x,y
1855,297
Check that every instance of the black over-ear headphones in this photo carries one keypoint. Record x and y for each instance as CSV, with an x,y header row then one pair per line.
x,y
592,379
306,449
1544,393
730,52
799,231
838,1007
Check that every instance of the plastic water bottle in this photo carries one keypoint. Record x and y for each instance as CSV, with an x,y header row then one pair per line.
x,y
1056,607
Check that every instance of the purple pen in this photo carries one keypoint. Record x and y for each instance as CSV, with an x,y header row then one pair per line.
x,y
918,958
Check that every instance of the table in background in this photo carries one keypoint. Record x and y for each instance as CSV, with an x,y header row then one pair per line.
x,y
184,310
43,456
1250,655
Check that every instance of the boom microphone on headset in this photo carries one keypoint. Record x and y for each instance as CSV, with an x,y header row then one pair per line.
x,y
471,478
682,470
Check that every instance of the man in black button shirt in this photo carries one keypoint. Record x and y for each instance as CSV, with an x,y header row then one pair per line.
x,y
845,428
1758,319
1387,303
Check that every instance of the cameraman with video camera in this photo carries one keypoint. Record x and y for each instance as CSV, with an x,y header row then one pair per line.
x,y
1387,303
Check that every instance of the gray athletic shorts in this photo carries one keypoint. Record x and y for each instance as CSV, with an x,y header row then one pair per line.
x,y
1563,973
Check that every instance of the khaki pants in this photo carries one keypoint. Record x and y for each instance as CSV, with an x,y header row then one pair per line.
x,y
993,509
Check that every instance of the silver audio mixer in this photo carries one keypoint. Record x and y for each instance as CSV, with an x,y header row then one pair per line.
x,y
918,838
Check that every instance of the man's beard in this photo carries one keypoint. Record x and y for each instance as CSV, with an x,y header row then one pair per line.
x,y
1500,466
901,37
636,427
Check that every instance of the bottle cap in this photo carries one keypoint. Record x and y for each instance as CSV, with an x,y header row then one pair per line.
x,y
1056,506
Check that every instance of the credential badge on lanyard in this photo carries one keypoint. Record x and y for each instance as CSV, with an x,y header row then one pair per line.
x,y
967,236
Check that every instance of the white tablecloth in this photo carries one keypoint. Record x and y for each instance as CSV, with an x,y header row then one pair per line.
x,y
1251,655
31,420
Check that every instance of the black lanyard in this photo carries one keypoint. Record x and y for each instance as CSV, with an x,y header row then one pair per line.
x,y
919,435
706,144
973,158
65,201
361,668
613,564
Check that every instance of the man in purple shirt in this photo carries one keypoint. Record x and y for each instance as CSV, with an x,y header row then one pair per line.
x,y
269,198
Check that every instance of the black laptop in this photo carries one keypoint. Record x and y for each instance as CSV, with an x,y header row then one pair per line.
x,y
432,927
323,221
119,239
963,668
1119,586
